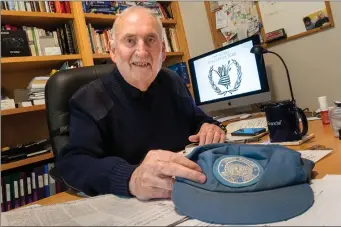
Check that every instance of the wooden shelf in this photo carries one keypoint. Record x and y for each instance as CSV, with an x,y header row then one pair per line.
x,y
174,54
22,110
100,56
26,161
108,20
20,18
30,62
168,54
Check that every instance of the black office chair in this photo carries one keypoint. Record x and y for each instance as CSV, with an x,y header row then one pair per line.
x,y
58,91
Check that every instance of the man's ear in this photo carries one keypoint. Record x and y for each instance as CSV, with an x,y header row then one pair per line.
x,y
112,51
163,51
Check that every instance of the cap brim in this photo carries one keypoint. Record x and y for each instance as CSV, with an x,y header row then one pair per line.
x,y
242,208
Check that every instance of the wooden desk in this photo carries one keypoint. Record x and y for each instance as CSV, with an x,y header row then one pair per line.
x,y
323,136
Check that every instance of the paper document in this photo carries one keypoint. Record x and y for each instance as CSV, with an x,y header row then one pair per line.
x,y
252,123
96,211
324,212
228,118
333,178
221,19
29,206
194,222
314,155
326,208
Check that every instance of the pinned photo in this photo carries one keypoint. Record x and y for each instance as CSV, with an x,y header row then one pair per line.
x,y
316,19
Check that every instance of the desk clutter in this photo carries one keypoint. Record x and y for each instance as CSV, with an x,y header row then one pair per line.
x,y
27,185
34,93
23,151
112,210
104,210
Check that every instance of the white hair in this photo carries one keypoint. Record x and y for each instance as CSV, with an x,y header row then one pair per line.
x,y
127,11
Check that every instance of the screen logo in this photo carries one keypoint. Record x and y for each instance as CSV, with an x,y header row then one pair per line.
x,y
224,85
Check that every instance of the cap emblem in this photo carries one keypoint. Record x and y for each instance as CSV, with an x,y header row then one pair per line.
x,y
237,171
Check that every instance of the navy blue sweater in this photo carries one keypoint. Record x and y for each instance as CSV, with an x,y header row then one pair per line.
x,y
113,125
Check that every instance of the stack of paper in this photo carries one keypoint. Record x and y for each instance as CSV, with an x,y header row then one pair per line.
x,y
106,210
36,89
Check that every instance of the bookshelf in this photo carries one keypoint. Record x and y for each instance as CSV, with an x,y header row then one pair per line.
x,y
21,110
168,54
27,161
27,124
33,18
103,19
13,63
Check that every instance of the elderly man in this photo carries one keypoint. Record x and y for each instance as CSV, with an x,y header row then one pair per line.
x,y
321,20
126,127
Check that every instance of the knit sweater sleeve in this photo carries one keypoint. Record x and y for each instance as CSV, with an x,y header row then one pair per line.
x,y
83,164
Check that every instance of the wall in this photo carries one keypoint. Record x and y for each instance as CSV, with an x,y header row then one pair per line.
x,y
314,61
196,26
314,64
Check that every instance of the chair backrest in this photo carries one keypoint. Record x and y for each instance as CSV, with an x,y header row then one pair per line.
x,y
58,91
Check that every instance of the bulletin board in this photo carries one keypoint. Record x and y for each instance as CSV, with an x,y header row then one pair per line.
x,y
231,21
271,16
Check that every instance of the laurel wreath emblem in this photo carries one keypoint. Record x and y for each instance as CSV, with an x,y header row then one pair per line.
x,y
223,70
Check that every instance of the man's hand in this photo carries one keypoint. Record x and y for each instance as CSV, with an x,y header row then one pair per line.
x,y
154,178
209,133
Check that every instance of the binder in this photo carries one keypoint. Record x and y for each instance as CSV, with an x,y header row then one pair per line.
x,y
40,181
2,195
15,184
7,181
22,188
16,194
52,182
46,181
29,196
34,185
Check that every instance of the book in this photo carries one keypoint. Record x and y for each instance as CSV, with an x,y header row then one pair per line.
x,y
181,69
295,143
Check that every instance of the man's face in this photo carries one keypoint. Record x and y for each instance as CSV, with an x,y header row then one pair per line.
x,y
139,50
320,15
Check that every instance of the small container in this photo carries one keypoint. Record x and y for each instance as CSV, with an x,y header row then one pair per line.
x,y
324,110
325,117
335,118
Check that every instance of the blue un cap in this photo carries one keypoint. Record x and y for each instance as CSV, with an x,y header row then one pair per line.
x,y
246,184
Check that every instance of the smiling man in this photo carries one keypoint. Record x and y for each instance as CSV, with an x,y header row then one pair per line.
x,y
126,127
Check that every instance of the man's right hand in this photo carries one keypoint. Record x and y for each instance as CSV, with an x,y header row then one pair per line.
x,y
154,178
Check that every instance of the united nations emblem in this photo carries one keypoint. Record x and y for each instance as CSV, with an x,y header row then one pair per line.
x,y
226,78
236,171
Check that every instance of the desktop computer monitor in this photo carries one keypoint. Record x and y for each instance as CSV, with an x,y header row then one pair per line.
x,y
229,77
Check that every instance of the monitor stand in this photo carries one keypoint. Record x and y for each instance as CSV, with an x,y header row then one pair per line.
x,y
243,109
233,113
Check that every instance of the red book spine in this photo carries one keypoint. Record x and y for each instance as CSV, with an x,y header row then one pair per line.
x,y
62,6
67,7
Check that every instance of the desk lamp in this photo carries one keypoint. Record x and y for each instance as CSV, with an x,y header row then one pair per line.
x,y
283,117
259,50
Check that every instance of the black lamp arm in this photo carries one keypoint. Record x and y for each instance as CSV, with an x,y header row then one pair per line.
x,y
288,76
